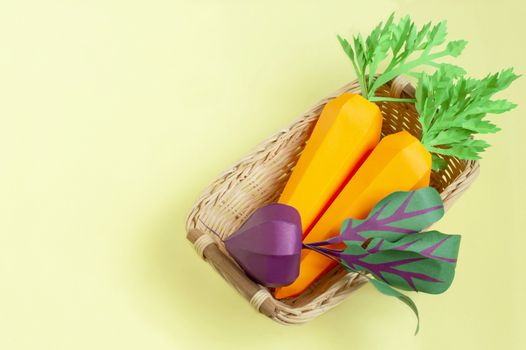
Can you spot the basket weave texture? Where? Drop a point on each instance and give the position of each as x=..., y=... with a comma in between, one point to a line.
x=260, y=177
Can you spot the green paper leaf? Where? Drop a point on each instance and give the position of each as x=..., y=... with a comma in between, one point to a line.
x=438, y=163
x=479, y=126
x=386, y=289
x=456, y=47
x=398, y=215
x=402, y=46
x=452, y=110
x=467, y=149
x=390, y=246
x=395, y=216
x=453, y=70
x=423, y=262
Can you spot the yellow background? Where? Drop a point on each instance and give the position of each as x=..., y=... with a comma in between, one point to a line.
x=116, y=114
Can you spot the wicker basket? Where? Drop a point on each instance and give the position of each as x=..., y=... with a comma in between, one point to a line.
x=260, y=177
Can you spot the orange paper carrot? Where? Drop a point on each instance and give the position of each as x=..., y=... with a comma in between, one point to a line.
x=347, y=130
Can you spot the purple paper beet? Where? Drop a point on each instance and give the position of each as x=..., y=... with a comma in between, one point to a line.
x=268, y=245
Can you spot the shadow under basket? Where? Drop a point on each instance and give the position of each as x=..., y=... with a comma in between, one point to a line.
x=259, y=179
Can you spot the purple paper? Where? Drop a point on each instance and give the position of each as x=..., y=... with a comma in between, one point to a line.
x=268, y=245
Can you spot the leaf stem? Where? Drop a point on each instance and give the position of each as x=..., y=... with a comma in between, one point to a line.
x=390, y=99
x=387, y=76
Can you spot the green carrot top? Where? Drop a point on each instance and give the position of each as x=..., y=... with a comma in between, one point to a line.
x=452, y=108
x=404, y=47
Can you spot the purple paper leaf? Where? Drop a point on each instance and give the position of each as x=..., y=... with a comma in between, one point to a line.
x=395, y=216
x=423, y=261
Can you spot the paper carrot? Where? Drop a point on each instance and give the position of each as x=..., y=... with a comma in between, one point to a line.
x=347, y=130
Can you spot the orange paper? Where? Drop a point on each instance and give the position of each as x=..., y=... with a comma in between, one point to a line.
x=348, y=129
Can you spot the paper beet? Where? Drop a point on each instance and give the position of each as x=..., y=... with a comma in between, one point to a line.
x=268, y=245
x=388, y=246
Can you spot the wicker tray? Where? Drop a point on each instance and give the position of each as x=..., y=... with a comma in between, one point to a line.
x=259, y=179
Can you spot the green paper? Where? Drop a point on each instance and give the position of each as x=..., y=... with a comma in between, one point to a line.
x=395, y=216
x=423, y=262
x=386, y=289
x=453, y=108
x=407, y=47
x=389, y=246
x=438, y=163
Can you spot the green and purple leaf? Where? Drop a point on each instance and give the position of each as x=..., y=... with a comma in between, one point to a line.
x=397, y=215
x=386, y=289
x=423, y=262
x=389, y=246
